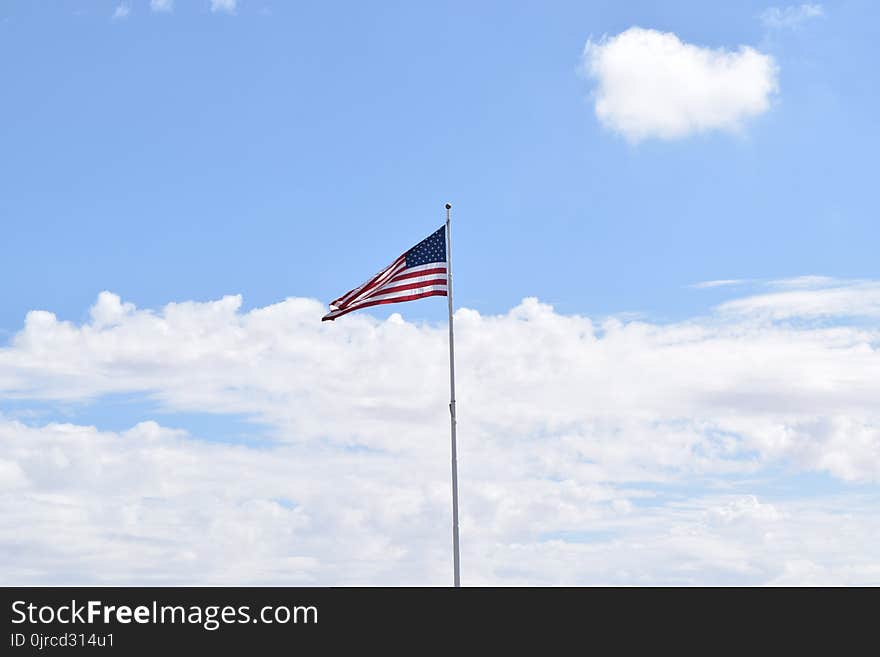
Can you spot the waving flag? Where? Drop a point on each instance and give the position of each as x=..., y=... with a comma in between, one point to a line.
x=420, y=272
x=423, y=271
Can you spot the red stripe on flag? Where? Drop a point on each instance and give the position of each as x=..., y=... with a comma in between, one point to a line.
x=415, y=274
x=391, y=288
x=378, y=279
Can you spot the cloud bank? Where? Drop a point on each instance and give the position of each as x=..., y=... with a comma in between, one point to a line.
x=590, y=452
x=650, y=84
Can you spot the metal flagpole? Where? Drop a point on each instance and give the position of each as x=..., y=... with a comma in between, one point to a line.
x=455, y=557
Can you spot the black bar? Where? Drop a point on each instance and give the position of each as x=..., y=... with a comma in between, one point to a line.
x=418, y=620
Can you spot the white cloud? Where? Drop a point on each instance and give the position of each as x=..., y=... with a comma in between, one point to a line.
x=791, y=16
x=719, y=283
x=150, y=505
x=109, y=310
x=652, y=84
x=813, y=297
x=122, y=11
x=530, y=371
x=745, y=508
x=162, y=5
x=804, y=282
x=571, y=436
x=224, y=6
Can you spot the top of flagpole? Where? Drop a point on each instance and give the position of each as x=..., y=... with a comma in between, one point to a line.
x=449, y=206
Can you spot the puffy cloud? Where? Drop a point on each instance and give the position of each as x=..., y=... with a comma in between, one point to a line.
x=652, y=84
x=108, y=310
x=590, y=451
x=739, y=373
x=791, y=16
x=154, y=506
x=746, y=508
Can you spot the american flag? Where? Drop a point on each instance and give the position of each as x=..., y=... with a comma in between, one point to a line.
x=418, y=273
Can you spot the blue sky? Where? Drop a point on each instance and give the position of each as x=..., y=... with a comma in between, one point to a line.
x=292, y=150
x=665, y=254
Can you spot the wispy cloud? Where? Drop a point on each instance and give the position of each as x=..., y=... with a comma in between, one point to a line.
x=791, y=16
x=224, y=6
x=162, y=5
x=650, y=84
x=810, y=297
x=808, y=282
x=122, y=11
x=719, y=283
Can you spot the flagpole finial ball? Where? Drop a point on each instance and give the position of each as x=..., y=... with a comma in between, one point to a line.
x=449, y=206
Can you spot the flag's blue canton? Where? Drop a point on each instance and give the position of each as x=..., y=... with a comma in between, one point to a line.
x=430, y=249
